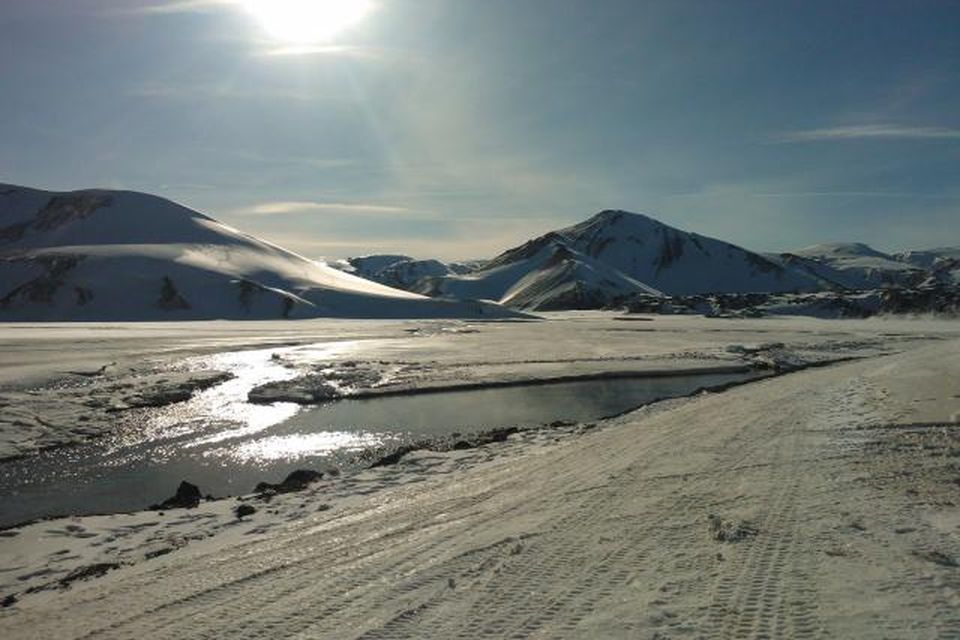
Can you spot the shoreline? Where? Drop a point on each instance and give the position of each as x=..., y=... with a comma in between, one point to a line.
x=785, y=454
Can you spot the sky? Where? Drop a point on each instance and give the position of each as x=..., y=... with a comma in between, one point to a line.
x=458, y=128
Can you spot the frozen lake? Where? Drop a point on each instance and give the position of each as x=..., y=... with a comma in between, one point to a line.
x=227, y=457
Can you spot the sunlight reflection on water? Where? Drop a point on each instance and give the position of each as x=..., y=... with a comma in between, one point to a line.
x=227, y=450
x=222, y=412
x=297, y=446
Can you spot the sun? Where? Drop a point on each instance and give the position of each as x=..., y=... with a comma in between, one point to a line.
x=303, y=22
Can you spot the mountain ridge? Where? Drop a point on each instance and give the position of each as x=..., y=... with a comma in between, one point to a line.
x=653, y=258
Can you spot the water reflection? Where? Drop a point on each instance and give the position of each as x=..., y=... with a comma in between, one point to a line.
x=222, y=412
x=227, y=402
x=227, y=446
x=298, y=446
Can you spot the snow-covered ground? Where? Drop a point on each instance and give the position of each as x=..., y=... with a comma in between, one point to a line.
x=66, y=383
x=831, y=494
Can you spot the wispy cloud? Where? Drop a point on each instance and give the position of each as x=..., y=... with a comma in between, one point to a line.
x=343, y=51
x=457, y=240
x=185, y=6
x=870, y=131
x=308, y=206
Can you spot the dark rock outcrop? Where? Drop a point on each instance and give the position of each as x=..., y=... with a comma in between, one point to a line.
x=296, y=481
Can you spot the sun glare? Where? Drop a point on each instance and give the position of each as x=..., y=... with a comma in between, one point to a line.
x=303, y=22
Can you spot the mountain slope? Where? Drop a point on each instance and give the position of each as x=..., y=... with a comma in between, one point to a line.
x=828, y=277
x=568, y=280
x=117, y=255
x=544, y=274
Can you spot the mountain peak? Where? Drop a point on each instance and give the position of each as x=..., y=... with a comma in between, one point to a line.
x=613, y=216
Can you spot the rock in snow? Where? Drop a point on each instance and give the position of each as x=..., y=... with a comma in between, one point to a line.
x=188, y=496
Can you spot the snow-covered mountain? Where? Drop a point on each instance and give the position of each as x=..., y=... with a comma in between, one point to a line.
x=119, y=255
x=854, y=265
x=678, y=262
x=616, y=253
x=399, y=271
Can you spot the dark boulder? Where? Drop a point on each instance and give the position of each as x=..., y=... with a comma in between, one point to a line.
x=188, y=496
x=244, y=510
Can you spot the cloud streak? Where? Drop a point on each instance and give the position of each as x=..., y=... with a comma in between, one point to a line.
x=186, y=6
x=307, y=206
x=870, y=132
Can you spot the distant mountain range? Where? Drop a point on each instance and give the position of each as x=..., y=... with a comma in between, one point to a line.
x=119, y=255
x=616, y=254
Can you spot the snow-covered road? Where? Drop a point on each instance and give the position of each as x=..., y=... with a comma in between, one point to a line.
x=606, y=534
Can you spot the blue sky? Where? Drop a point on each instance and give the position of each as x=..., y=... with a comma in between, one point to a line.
x=457, y=128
